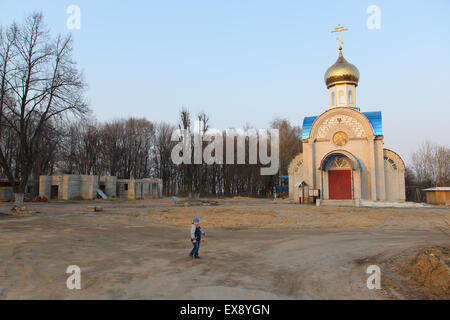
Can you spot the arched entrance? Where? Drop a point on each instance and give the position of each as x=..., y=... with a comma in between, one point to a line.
x=337, y=176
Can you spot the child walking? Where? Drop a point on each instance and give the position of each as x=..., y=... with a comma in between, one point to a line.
x=196, y=237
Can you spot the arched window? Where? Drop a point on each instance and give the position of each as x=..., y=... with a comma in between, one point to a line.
x=341, y=97
x=390, y=162
x=340, y=163
x=333, y=99
x=350, y=97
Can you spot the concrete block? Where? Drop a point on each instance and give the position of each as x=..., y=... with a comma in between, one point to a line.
x=94, y=209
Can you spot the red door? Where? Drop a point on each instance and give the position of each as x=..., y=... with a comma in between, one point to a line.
x=340, y=184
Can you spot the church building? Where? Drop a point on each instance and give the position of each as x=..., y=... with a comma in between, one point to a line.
x=343, y=158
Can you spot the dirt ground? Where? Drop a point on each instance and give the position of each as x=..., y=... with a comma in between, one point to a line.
x=254, y=249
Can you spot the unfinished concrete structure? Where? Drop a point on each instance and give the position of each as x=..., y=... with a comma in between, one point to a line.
x=7, y=194
x=138, y=189
x=153, y=187
x=75, y=187
x=68, y=187
x=130, y=189
x=108, y=184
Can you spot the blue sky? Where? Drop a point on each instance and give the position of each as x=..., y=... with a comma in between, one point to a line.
x=246, y=61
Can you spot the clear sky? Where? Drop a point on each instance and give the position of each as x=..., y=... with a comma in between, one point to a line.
x=246, y=61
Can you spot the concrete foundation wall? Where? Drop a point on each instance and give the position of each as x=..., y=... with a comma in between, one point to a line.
x=152, y=187
x=31, y=190
x=6, y=193
x=88, y=187
x=56, y=181
x=46, y=183
x=126, y=188
x=139, y=189
x=110, y=184
x=72, y=187
x=44, y=186
x=69, y=187
x=146, y=187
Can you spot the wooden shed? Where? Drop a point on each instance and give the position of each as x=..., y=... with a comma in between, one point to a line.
x=438, y=195
x=302, y=192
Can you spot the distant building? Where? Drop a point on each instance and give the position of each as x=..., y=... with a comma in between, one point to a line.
x=87, y=187
x=438, y=195
x=138, y=189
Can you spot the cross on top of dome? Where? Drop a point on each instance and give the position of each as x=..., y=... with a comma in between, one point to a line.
x=339, y=29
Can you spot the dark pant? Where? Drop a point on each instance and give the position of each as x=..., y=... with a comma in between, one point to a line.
x=194, y=251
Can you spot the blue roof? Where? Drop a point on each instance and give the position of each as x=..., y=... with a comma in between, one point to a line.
x=307, y=124
x=374, y=118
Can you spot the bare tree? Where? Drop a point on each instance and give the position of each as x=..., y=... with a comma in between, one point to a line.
x=164, y=167
x=431, y=164
x=137, y=148
x=48, y=147
x=81, y=148
x=39, y=84
x=201, y=170
x=112, y=146
x=185, y=124
x=290, y=144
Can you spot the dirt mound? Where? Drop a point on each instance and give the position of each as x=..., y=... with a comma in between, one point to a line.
x=430, y=271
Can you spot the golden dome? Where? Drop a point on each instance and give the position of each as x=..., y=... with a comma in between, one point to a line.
x=341, y=72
